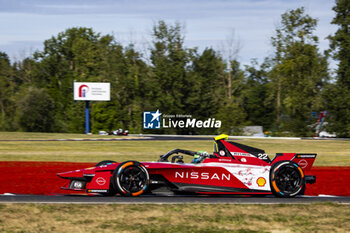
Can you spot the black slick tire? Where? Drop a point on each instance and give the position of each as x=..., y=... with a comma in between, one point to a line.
x=287, y=179
x=130, y=178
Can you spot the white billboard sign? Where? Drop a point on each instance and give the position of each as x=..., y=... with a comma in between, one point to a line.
x=92, y=91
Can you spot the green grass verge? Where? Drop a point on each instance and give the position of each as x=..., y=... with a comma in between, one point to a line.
x=174, y=218
x=165, y=218
x=330, y=153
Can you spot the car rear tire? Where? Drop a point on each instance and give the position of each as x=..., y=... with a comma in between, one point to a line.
x=130, y=178
x=287, y=179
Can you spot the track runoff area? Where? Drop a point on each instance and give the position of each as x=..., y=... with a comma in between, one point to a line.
x=52, y=193
x=163, y=199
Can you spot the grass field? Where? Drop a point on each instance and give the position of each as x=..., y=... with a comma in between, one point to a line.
x=174, y=218
x=330, y=153
x=165, y=218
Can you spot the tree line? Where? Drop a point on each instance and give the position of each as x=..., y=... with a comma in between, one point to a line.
x=280, y=93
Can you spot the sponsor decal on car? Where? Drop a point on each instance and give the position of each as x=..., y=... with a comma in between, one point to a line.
x=303, y=163
x=100, y=181
x=241, y=154
x=243, y=160
x=248, y=181
x=306, y=156
x=202, y=176
x=225, y=160
x=222, y=153
x=97, y=191
x=261, y=181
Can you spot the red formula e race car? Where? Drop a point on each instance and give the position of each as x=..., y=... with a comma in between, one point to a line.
x=233, y=168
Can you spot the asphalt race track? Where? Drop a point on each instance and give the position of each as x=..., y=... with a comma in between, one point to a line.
x=151, y=199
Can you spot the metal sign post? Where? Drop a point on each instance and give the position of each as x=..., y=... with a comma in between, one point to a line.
x=87, y=117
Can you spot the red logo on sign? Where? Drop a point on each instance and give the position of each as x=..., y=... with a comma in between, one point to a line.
x=303, y=163
x=83, y=89
x=100, y=181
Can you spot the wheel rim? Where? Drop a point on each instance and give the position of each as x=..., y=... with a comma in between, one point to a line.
x=288, y=179
x=133, y=179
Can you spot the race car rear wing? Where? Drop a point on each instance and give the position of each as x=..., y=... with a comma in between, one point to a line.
x=305, y=161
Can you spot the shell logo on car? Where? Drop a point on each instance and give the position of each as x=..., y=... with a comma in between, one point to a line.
x=261, y=181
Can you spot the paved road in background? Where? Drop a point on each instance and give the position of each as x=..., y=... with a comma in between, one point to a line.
x=83, y=199
x=118, y=138
x=146, y=137
x=179, y=137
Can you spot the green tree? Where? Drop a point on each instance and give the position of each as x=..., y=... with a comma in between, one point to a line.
x=232, y=116
x=72, y=55
x=338, y=95
x=110, y=115
x=170, y=86
x=207, y=92
x=169, y=59
x=257, y=105
x=35, y=111
x=7, y=90
x=299, y=72
x=77, y=54
x=231, y=110
x=129, y=76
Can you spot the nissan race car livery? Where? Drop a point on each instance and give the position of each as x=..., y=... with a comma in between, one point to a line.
x=233, y=168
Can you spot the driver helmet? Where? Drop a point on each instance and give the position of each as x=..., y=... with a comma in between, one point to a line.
x=199, y=156
x=203, y=153
x=196, y=158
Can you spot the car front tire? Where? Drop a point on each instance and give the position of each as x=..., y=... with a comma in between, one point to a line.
x=130, y=178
